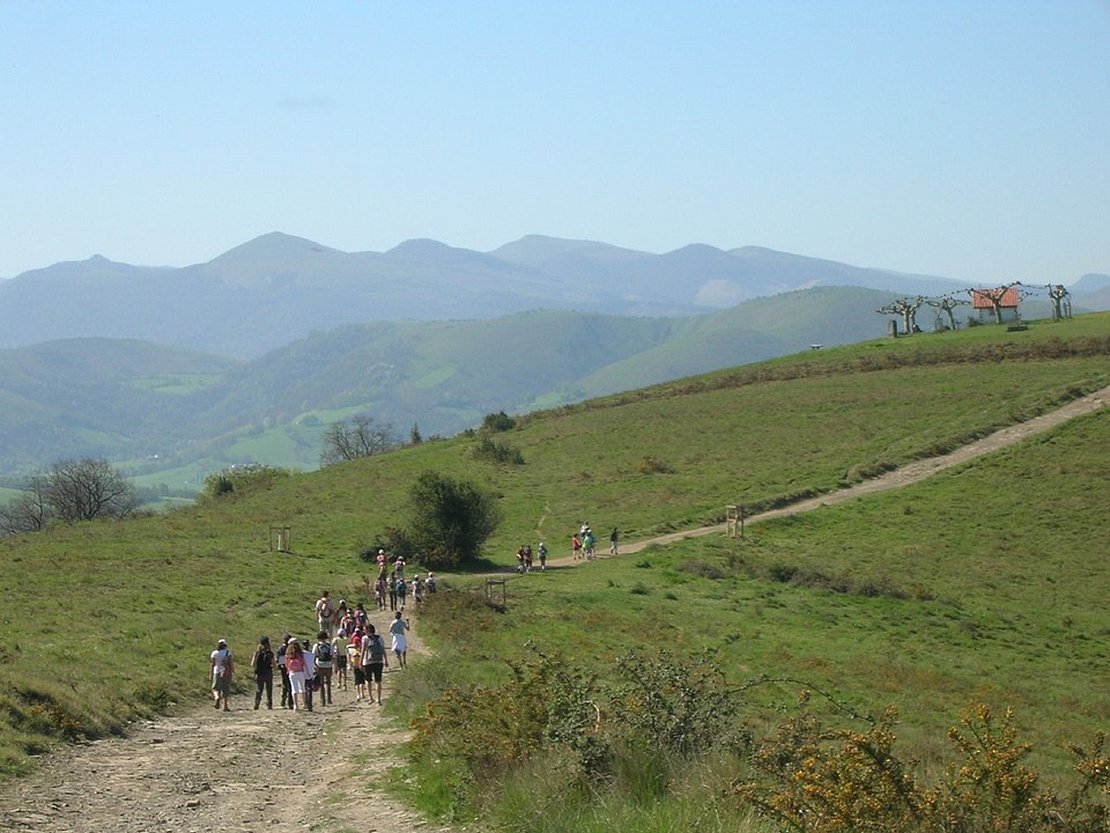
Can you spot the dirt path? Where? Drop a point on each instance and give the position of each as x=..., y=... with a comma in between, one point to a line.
x=207, y=770
x=911, y=473
x=279, y=771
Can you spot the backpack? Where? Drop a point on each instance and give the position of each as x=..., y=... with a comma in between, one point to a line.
x=323, y=653
x=264, y=662
x=376, y=649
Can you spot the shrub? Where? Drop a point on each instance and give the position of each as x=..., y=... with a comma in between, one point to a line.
x=240, y=480
x=448, y=521
x=818, y=779
x=653, y=465
x=702, y=568
x=500, y=421
x=496, y=452
x=683, y=706
x=546, y=701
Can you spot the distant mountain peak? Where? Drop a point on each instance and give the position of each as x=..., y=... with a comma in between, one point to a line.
x=273, y=244
x=421, y=247
x=538, y=249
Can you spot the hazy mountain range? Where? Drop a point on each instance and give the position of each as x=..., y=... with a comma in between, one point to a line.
x=277, y=289
x=251, y=355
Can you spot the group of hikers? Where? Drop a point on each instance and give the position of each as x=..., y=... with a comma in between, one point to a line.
x=525, y=557
x=346, y=645
x=346, y=642
x=393, y=588
x=583, y=544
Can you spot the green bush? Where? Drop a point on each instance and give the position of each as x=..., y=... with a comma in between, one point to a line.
x=500, y=421
x=448, y=521
x=240, y=480
x=496, y=452
x=819, y=779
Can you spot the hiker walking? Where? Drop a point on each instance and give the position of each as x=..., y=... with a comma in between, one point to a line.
x=324, y=613
x=295, y=667
x=397, y=629
x=614, y=541
x=262, y=662
x=362, y=618
x=339, y=657
x=222, y=668
x=374, y=660
x=323, y=655
x=541, y=551
x=286, y=686
x=354, y=659
x=402, y=590
x=309, y=674
x=391, y=587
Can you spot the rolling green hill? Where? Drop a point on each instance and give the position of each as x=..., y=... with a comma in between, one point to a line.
x=159, y=410
x=98, y=397
x=954, y=590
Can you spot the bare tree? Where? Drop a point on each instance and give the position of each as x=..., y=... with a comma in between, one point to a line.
x=30, y=511
x=947, y=303
x=905, y=307
x=359, y=436
x=81, y=490
x=1061, y=301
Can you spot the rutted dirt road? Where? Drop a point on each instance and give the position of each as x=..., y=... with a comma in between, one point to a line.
x=280, y=771
x=208, y=770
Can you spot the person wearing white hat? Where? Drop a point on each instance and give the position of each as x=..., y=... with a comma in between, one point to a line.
x=222, y=668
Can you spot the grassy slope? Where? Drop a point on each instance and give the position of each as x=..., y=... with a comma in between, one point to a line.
x=161, y=589
x=986, y=583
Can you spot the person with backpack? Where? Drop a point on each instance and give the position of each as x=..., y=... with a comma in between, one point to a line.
x=263, y=664
x=339, y=657
x=402, y=591
x=354, y=659
x=310, y=681
x=374, y=660
x=286, y=688
x=542, y=552
x=322, y=655
x=362, y=618
x=222, y=668
x=324, y=613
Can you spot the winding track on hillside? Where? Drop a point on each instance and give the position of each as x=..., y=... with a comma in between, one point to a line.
x=910, y=473
x=278, y=771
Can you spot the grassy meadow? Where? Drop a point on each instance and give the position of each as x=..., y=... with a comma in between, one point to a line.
x=985, y=583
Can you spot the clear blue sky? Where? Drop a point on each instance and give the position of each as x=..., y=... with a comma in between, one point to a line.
x=969, y=139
